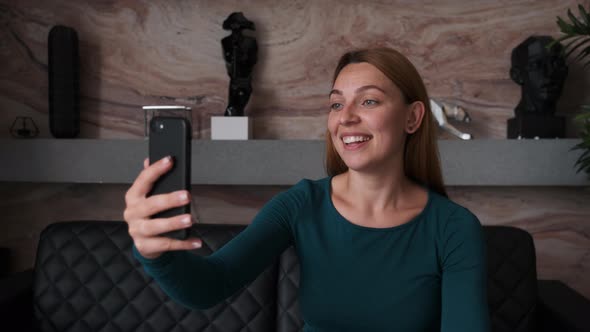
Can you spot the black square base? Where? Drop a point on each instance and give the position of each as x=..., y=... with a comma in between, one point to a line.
x=536, y=126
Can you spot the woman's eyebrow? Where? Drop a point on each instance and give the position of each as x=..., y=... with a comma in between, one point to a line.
x=360, y=89
x=368, y=87
x=335, y=91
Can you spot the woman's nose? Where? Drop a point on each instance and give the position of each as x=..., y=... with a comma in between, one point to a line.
x=348, y=115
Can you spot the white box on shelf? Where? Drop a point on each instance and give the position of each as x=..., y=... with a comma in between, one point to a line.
x=231, y=128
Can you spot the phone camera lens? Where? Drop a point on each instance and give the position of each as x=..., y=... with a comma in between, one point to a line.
x=157, y=126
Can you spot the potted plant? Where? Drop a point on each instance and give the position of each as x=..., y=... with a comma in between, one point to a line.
x=577, y=33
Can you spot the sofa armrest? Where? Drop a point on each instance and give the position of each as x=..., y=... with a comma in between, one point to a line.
x=562, y=308
x=16, y=300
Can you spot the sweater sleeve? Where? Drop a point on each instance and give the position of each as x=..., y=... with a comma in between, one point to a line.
x=201, y=282
x=464, y=276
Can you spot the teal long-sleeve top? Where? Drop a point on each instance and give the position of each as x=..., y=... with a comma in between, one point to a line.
x=425, y=275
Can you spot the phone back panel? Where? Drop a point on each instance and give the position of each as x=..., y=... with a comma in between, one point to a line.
x=171, y=136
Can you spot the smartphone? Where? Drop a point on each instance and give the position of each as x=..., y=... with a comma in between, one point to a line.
x=171, y=136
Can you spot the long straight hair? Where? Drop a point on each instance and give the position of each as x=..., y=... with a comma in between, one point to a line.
x=421, y=157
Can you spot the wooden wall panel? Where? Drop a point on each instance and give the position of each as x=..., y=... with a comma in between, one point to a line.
x=135, y=53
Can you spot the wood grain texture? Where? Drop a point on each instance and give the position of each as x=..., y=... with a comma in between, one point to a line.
x=557, y=217
x=135, y=53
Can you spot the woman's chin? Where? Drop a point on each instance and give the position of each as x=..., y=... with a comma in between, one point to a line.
x=357, y=165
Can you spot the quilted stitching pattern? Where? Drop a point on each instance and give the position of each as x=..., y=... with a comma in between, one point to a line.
x=288, y=315
x=86, y=279
x=512, y=279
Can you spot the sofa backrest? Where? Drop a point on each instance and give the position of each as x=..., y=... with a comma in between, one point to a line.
x=87, y=279
x=512, y=279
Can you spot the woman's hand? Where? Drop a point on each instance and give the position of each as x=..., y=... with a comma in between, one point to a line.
x=138, y=209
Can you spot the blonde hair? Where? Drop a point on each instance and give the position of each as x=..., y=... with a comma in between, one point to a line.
x=421, y=158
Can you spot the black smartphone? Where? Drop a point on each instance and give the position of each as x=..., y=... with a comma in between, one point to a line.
x=171, y=136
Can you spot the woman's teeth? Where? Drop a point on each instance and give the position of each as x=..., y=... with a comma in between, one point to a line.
x=355, y=139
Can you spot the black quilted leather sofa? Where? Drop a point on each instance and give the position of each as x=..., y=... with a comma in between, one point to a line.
x=86, y=279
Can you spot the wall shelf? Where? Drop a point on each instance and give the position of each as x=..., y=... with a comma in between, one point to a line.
x=281, y=162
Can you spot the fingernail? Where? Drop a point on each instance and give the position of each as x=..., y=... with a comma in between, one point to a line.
x=186, y=220
x=166, y=160
x=196, y=244
x=183, y=197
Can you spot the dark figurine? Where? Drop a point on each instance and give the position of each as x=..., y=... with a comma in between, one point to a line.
x=541, y=73
x=239, y=52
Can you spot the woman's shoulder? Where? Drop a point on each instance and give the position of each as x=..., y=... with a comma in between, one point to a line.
x=305, y=189
x=308, y=185
x=451, y=215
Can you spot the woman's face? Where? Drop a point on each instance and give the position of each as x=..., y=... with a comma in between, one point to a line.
x=368, y=118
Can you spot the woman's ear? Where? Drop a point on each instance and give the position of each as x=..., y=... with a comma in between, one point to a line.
x=415, y=115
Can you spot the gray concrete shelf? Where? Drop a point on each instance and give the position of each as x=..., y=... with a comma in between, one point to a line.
x=282, y=162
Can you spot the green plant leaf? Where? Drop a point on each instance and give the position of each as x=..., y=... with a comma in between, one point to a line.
x=584, y=40
x=583, y=116
x=578, y=26
x=583, y=165
x=584, y=14
x=561, y=39
x=577, y=34
x=579, y=146
x=570, y=43
x=585, y=155
x=584, y=161
x=564, y=26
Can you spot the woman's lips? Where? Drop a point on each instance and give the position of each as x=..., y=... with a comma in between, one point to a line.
x=355, y=146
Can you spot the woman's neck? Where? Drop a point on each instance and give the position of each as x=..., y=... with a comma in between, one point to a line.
x=377, y=192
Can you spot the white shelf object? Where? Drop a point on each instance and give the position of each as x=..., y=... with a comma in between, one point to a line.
x=231, y=128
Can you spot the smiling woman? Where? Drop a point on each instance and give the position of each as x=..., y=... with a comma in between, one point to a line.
x=380, y=246
x=399, y=89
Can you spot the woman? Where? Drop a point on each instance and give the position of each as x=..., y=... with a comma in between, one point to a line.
x=380, y=245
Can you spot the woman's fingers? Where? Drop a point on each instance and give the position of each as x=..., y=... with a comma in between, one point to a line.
x=155, y=227
x=155, y=246
x=145, y=180
x=159, y=203
x=146, y=233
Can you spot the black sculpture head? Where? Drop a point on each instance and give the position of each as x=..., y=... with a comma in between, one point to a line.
x=237, y=21
x=541, y=72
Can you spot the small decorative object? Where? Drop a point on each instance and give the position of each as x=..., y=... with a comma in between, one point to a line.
x=63, y=68
x=541, y=72
x=240, y=54
x=24, y=127
x=443, y=111
x=578, y=34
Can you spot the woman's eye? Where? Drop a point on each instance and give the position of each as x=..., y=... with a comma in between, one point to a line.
x=335, y=106
x=370, y=102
